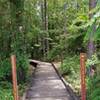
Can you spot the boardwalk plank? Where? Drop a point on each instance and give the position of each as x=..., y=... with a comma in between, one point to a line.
x=46, y=85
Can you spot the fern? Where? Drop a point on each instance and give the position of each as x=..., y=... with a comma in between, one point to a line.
x=95, y=94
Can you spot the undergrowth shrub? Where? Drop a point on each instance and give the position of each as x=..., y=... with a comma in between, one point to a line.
x=54, y=53
x=70, y=69
x=6, y=91
x=5, y=69
x=70, y=65
x=93, y=84
x=6, y=76
x=93, y=92
x=22, y=68
x=6, y=94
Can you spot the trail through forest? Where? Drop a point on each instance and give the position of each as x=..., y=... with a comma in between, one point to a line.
x=46, y=85
x=50, y=31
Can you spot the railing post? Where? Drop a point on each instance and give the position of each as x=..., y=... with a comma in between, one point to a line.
x=83, y=75
x=14, y=77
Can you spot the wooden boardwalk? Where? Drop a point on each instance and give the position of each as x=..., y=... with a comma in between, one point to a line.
x=46, y=85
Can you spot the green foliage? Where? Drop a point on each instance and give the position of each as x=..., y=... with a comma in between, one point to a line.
x=66, y=68
x=6, y=94
x=22, y=68
x=12, y=35
x=6, y=91
x=22, y=33
x=97, y=34
x=70, y=65
x=54, y=53
x=5, y=69
x=93, y=88
x=92, y=61
x=70, y=69
x=93, y=82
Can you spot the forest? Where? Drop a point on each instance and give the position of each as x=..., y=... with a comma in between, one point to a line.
x=50, y=31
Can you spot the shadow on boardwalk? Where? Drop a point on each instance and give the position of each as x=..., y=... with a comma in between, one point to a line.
x=46, y=85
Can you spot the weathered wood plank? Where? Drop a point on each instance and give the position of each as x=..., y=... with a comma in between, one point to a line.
x=46, y=85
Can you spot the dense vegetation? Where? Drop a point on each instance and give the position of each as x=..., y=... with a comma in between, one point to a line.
x=49, y=30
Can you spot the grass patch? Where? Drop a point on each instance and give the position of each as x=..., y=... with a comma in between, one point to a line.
x=6, y=94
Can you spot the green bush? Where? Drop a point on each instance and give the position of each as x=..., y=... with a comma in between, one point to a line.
x=22, y=68
x=93, y=87
x=93, y=91
x=96, y=94
x=93, y=82
x=70, y=65
x=54, y=53
x=6, y=94
x=5, y=69
x=6, y=91
x=70, y=69
x=6, y=76
x=92, y=61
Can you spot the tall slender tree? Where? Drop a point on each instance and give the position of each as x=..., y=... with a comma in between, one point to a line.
x=91, y=47
x=17, y=33
x=44, y=16
x=46, y=25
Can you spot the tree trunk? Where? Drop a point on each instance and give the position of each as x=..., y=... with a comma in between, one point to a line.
x=46, y=27
x=42, y=18
x=91, y=47
x=17, y=40
x=92, y=5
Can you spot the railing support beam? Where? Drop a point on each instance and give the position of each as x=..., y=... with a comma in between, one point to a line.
x=83, y=75
x=14, y=77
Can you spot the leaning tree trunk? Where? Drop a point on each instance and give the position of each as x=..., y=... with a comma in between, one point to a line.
x=91, y=46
